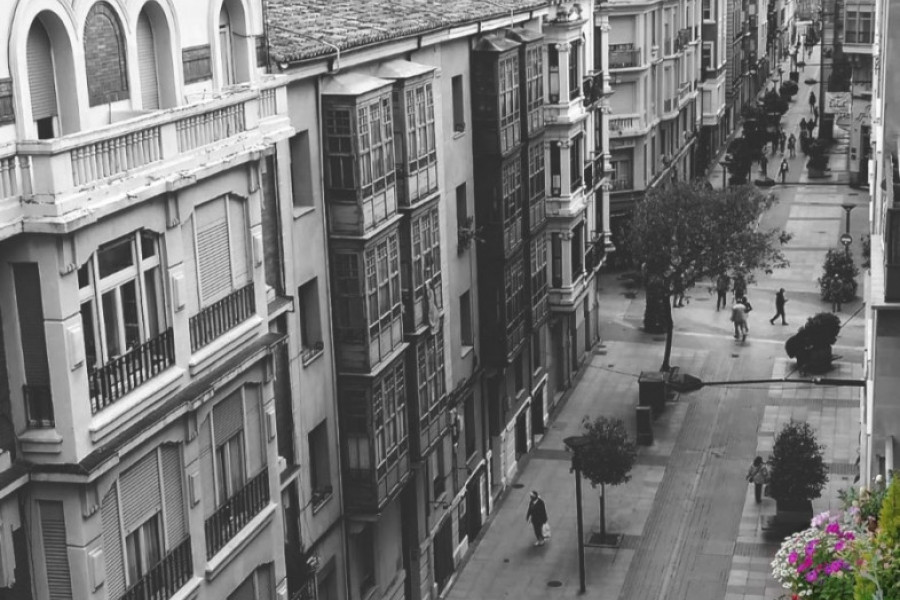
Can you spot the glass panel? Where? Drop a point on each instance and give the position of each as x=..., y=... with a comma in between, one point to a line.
x=131, y=315
x=84, y=276
x=115, y=256
x=236, y=463
x=133, y=556
x=87, y=325
x=148, y=244
x=111, y=323
x=154, y=316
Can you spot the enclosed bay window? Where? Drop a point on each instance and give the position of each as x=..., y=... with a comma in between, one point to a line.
x=858, y=27
x=576, y=154
x=514, y=288
x=383, y=297
x=539, y=278
x=389, y=416
x=536, y=185
x=509, y=102
x=534, y=82
x=555, y=169
x=376, y=146
x=421, y=155
x=553, y=68
x=426, y=254
x=512, y=204
x=431, y=378
x=575, y=69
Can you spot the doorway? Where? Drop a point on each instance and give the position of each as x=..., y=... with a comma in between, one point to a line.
x=521, y=434
x=473, y=508
x=537, y=412
x=443, y=554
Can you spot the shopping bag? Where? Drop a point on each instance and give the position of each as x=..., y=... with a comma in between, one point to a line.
x=545, y=531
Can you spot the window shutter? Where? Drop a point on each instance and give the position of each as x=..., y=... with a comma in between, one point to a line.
x=112, y=544
x=228, y=418
x=238, y=232
x=31, y=323
x=264, y=584
x=207, y=470
x=147, y=64
x=56, y=557
x=140, y=492
x=253, y=434
x=213, y=254
x=41, y=82
x=174, y=494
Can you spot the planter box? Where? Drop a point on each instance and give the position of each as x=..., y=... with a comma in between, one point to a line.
x=790, y=517
x=652, y=391
x=644, y=425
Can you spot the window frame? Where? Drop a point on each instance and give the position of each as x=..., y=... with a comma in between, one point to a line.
x=228, y=480
x=425, y=238
x=508, y=102
x=511, y=201
x=421, y=152
x=431, y=377
x=135, y=546
x=384, y=301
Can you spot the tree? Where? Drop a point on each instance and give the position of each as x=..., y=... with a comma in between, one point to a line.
x=797, y=471
x=686, y=233
x=838, y=280
x=607, y=458
x=811, y=345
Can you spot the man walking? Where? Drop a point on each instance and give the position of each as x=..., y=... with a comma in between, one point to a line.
x=792, y=146
x=763, y=165
x=812, y=101
x=782, y=138
x=739, y=312
x=779, y=307
x=723, y=283
x=783, y=169
x=537, y=514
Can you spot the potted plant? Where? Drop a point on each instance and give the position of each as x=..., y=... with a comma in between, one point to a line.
x=811, y=345
x=838, y=281
x=797, y=473
x=817, y=165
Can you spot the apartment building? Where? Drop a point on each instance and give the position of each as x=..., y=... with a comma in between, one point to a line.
x=858, y=48
x=715, y=118
x=432, y=133
x=166, y=392
x=655, y=56
x=880, y=418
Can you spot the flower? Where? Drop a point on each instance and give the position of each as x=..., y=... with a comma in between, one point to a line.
x=812, y=576
x=792, y=557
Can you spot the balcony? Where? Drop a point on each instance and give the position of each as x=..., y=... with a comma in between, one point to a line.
x=621, y=184
x=624, y=58
x=668, y=105
x=682, y=39
x=131, y=370
x=683, y=90
x=38, y=406
x=166, y=577
x=625, y=125
x=236, y=512
x=214, y=320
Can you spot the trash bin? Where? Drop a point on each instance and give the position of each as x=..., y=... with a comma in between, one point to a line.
x=652, y=390
x=644, y=425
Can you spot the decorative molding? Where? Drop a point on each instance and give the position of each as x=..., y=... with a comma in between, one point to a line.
x=562, y=47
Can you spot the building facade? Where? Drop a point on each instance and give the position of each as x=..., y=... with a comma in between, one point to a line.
x=163, y=382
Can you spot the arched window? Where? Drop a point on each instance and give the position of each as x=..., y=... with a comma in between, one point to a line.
x=146, y=44
x=236, y=48
x=104, y=56
x=226, y=51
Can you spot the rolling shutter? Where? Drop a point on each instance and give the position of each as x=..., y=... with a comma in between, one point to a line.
x=140, y=492
x=213, y=253
x=41, y=81
x=112, y=544
x=31, y=323
x=147, y=64
x=228, y=418
x=174, y=494
x=264, y=581
x=56, y=557
x=207, y=470
x=253, y=434
x=238, y=232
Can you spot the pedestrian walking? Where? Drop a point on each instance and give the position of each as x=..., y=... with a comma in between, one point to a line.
x=792, y=146
x=836, y=291
x=763, y=165
x=537, y=514
x=783, y=169
x=779, y=307
x=740, y=287
x=758, y=475
x=739, y=312
x=804, y=140
x=678, y=293
x=775, y=139
x=802, y=126
x=723, y=284
x=812, y=101
x=782, y=138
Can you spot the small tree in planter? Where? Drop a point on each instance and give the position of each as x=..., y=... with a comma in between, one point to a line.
x=838, y=281
x=607, y=459
x=811, y=345
x=797, y=471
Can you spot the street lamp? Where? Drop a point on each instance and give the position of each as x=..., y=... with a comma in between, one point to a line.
x=846, y=238
x=575, y=443
x=780, y=74
x=726, y=164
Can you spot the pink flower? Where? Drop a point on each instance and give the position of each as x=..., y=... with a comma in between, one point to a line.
x=792, y=557
x=835, y=566
x=812, y=576
x=806, y=564
x=833, y=528
x=848, y=535
x=839, y=546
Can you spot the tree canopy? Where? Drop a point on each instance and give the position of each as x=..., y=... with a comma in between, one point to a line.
x=610, y=455
x=797, y=469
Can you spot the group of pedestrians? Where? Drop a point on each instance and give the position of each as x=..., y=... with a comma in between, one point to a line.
x=741, y=306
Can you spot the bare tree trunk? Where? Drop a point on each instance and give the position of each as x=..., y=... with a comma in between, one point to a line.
x=603, y=513
x=669, y=330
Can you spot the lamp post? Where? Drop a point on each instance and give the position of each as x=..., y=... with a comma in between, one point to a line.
x=846, y=238
x=726, y=163
x=575, y=443
x=780, y=74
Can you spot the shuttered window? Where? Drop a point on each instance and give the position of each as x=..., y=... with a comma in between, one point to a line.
x=173, y=494
x=141, y=496
x=147, y=63
x=41, y=81
x=252, y=401
x=228, y=418
x=112, y=544
x=31, y=323
x=56, y=557
x=221, y=231
x=207, y=469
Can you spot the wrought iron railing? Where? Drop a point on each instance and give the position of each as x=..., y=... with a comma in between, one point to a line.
x=623, y=59
x=236, y=512
x=128, y=371
x=166, y=577
x=621, y=184
x=38, y=406
x=217, y=318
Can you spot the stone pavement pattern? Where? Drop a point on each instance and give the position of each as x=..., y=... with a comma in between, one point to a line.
x=689, y=519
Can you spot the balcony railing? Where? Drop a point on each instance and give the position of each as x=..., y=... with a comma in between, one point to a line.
x=216, y=319
x=209, y=127
x=38, y=406
x=307, y=592
x=15, y=176
x=593, y=88
x=109, y=157
x=620, y=184
x=622, y=124
x=267, y=106
x=236, y=512
x=623, y=59
x=129, y=371
x=167, y=577
x=667, y=105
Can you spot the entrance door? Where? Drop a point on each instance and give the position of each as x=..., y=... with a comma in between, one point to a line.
x=537, y=413
x=521, y=434
x=443, y=554
x=473, y=508
x=865, y=151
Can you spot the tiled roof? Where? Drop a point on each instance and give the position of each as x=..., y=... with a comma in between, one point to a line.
x=351, y=23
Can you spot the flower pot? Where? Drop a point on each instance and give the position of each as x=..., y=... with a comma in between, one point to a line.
x=793, y=514
x=794, y=76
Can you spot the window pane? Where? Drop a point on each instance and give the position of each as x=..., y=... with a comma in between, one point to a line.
x=111, y=323
x=148, y=244
x=154, y=316
x=87, y=325
x=131, y=315
x=115, y=256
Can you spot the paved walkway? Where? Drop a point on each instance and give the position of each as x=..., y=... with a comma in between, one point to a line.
x=690, y=523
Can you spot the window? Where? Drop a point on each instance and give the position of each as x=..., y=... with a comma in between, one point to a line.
x=271, y=224
x=556, y=259
x=576, y=163
x=356, y=434
x=319, y=464
x=459, y=109
x=33, y=342
x=430, y=371
x=421, y=155
x=575, y=70
x=553, y=68
x=536, y=186
x=514, y=284
x=577, y=248
x=539, y=278
x=220, y=230
x=621, y=165
x=439, y=481
x=143, y=549
x=121, y=296
x=466, y=334
x=382, y=262
x=104, y=56
x=426, y=254
x=706, y=63
x=509, y=102
x=462, y=207
x=238, y=448
x=512, y=204
x=707, y=10
x=349, y=318
x=536, y=350
x=310, y=319
x=858, y=25
x=339, y=172
x=230, y=471
x=260, y=585
x=555, y=169
x=301, y=170
x=470, y=425
x=389, y=410
x=375, y=140
x=534, y=82
x=42, y=81
x=519, y=375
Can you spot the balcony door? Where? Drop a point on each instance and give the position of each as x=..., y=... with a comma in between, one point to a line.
x=42, y=82
x=146, y=44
